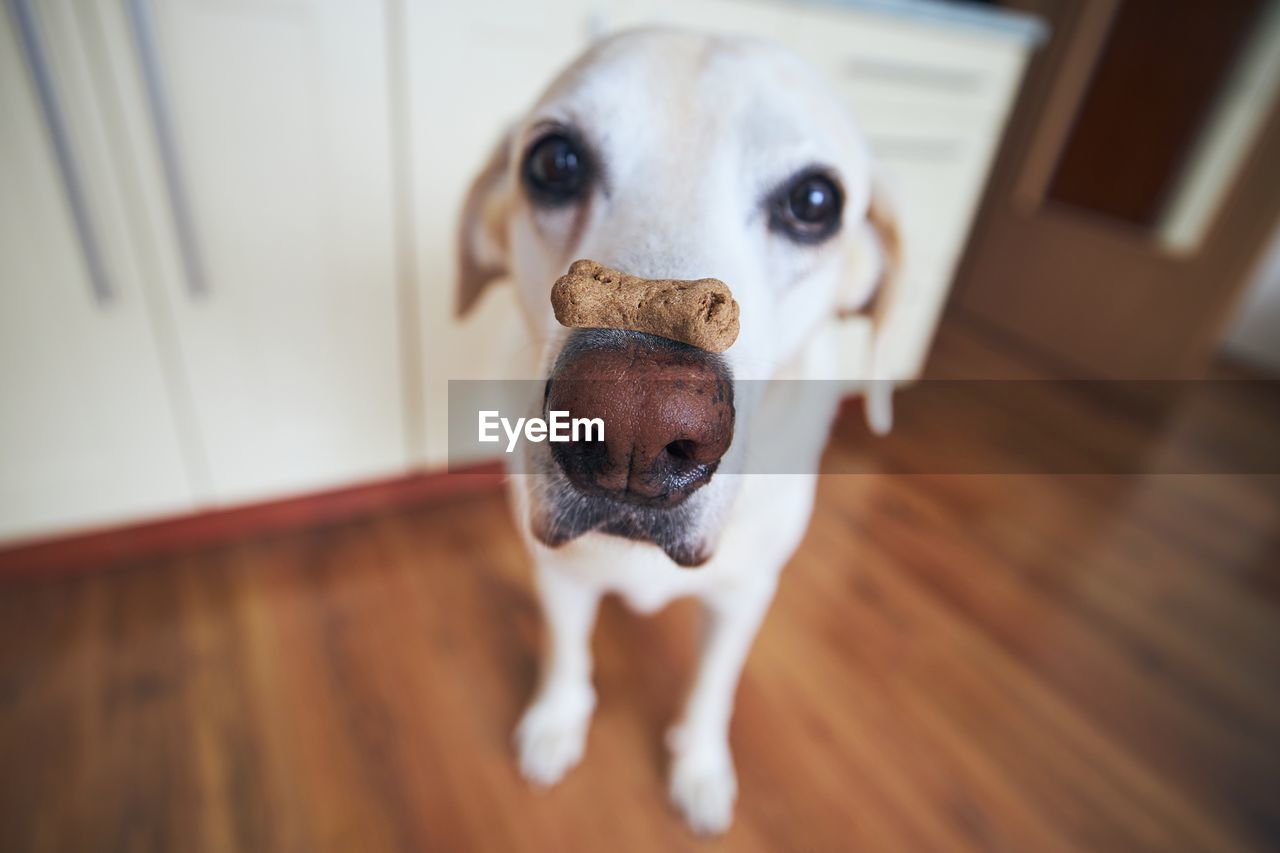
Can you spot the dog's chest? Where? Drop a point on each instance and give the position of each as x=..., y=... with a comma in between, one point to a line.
x=638, y=572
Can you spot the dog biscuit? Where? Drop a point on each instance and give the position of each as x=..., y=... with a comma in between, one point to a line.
x=701, y=312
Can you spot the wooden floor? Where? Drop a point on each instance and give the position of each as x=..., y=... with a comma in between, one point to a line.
x=955, y=662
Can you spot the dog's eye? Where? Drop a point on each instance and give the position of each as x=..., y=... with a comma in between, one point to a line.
x=556, y=170
x=808, y=208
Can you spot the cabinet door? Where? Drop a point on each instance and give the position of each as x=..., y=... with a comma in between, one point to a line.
x=87, y=430
x=266, y=129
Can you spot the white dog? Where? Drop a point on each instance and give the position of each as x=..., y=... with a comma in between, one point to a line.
x=669, y=154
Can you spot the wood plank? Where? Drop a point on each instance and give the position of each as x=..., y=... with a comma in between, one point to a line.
x=955, y=662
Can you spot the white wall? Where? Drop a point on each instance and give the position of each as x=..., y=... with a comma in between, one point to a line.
x=1254, y=335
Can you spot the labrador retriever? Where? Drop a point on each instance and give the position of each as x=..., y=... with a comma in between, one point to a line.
x=679, y=155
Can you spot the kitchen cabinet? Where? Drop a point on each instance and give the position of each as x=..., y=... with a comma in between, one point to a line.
x=267, y=129
x=228, y=253
x=88, y=432
x=235, y=167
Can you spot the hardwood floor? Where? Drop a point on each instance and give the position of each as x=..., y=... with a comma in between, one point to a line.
x=954, y=662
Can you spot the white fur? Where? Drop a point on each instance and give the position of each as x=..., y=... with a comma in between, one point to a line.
x=695, y=132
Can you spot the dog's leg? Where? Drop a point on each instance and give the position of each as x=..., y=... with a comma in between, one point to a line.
x=703, y=784
x=552, y=734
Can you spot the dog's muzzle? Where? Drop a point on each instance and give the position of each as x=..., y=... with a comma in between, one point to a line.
x=667, y=410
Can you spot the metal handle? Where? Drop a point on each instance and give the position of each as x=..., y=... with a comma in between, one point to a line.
x=144, y=35
x=24, y=16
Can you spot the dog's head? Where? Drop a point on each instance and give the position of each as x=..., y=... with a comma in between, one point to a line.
x=669, y=154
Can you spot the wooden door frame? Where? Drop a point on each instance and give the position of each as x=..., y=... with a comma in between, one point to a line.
x=1232, y=245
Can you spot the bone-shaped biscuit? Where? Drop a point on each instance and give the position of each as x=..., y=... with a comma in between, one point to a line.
x=701, y=312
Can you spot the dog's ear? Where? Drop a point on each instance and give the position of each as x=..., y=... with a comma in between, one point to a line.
x=482, y=229
x=876, y=293
x=882, y=214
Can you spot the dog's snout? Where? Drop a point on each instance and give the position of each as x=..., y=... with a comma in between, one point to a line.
x=667, y=410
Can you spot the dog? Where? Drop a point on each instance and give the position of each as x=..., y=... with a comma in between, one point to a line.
x=678, y=155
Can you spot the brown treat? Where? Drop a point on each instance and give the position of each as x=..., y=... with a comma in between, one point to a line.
x=701, y=313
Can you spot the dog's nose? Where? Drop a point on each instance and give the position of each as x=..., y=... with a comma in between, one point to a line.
x=667, y=410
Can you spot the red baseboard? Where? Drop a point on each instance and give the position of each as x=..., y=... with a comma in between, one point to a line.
x=97, y=549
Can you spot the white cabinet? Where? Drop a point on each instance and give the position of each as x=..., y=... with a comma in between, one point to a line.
x=269, y=130
x=87, y=428
x=273, y=188
x=236, y=168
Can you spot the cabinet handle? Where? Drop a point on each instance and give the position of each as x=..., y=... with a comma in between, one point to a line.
x=24, y=16
x=144, y=35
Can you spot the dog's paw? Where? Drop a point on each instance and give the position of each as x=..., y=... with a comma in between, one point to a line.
x=552, y=736
x=704, y=787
